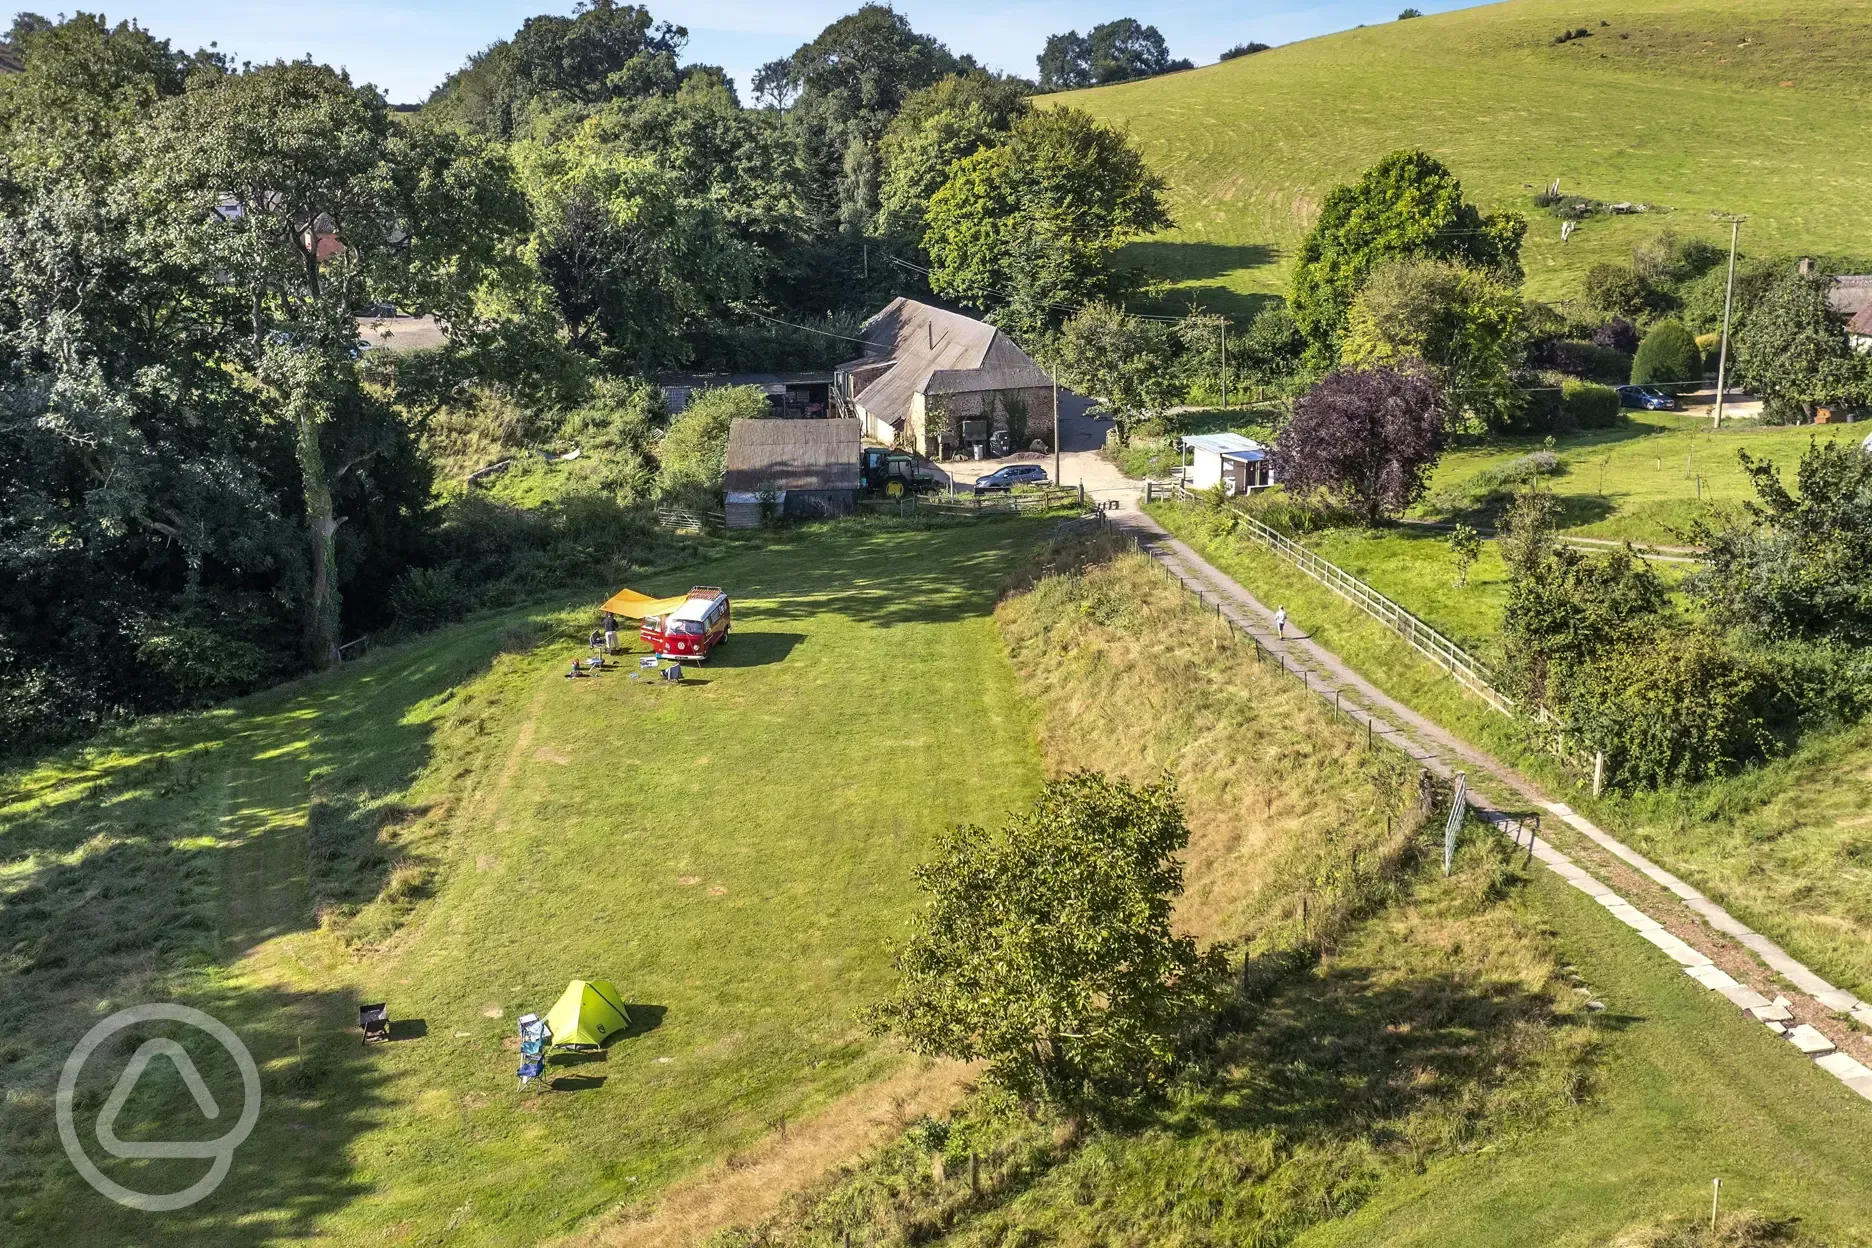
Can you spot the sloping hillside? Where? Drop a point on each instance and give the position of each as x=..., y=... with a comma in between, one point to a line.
x=1753, y=106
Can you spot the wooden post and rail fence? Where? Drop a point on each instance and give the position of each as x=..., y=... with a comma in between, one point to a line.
x=1465, y=668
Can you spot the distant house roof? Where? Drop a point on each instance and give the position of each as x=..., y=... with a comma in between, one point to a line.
x=928, y=350
x=1851, y=295
x=1861, y=324
x=1222, y=443
x=793, y=455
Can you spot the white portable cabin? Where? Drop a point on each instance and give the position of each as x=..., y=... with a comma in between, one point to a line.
x=1239, y=464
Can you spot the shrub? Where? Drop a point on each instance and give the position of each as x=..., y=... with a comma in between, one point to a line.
x=1675, y=707
x=695, y=449
x=1618, y=290
x=1667, y=354
x=1585, y=405
x=1583, y=359
x=1243, y=49
x=1619, y=334
x=425, y=598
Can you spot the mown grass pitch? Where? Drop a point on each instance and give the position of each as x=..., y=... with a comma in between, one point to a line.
x=1738, y=106
x=734, y=853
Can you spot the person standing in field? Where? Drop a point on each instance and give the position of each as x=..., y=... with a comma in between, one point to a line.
x=610, y=632
x=1280, y=622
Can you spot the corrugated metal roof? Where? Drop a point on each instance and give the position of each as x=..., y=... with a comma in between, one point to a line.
x=793, y=455
x=1221, y=443
x=924, y=342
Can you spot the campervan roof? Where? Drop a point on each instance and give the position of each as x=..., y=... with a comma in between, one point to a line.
x=693, y=609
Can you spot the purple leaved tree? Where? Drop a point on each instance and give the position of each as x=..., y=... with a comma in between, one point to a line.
x=1366, y=437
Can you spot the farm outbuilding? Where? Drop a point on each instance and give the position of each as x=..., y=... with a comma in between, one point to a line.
x=931, y=378
x=1239, y=464
x=809, y=467
x=793, y=396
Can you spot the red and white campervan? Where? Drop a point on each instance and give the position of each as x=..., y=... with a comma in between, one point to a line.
x=688, y=633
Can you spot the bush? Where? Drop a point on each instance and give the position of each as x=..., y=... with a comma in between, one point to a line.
x=424, y=598
x=1619, y=334
x=695, y=449
x=1243, y=49
x=1675, y=707
x=1583, y=360
x=1585, y=405
x=1668, y=354
x=1618, y=290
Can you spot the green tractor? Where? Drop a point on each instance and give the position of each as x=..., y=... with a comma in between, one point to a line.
x=893, y=474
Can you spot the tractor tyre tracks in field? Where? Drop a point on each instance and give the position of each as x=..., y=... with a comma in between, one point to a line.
x=1713, y=947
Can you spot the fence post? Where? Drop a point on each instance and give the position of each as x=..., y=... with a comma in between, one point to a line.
x=1598, y=772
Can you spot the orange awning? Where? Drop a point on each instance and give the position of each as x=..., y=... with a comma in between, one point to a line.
x=635, y=606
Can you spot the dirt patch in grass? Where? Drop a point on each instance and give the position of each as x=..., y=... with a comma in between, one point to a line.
x=753, y=1182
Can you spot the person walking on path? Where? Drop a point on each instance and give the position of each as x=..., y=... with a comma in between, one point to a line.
x=610, y=632
x=1280, y=622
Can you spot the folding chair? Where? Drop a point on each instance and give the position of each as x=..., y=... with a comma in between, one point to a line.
x=535, y=1039
x=374, y=1020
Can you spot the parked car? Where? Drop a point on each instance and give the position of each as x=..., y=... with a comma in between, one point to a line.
x=1649, y=398
x=1004, y=479
x=688, y=633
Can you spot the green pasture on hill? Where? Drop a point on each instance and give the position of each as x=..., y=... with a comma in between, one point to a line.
x=1738, y=106
x=734, y=853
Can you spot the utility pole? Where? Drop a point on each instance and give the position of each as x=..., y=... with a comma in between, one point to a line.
x=1722, y=356
x=1222, y=326
x=1056, y=431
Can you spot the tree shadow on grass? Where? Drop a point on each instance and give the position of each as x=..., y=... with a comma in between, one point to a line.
x=173, y=848
x=320, y=1090
x=883, y=575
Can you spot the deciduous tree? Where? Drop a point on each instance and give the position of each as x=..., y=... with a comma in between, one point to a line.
x=1407, y=205
x=1046, y=948
x=1791, y=349
x=1127, y=362
x=1365, y=437
x=293, y=183
x=1465, y=323
x=1028, y=227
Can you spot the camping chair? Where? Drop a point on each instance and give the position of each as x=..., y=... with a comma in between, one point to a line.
x=535, y=1039
x=374, y=1020
x=597, y=639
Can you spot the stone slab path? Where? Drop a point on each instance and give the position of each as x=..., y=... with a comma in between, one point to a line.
x=1714, y=948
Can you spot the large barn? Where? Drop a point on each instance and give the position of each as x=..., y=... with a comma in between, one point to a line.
x=935, y=382
x=808, y=467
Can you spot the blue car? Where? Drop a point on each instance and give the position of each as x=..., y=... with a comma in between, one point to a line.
x=1649, y=398
x=1009, y=477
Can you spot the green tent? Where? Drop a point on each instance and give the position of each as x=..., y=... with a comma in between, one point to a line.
x=587, y=1014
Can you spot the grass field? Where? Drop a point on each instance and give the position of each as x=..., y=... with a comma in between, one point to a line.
x=1783, y=846
x=1413, y=1065
x=734, y=853
x=1749, y=106
x=1645, y=480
